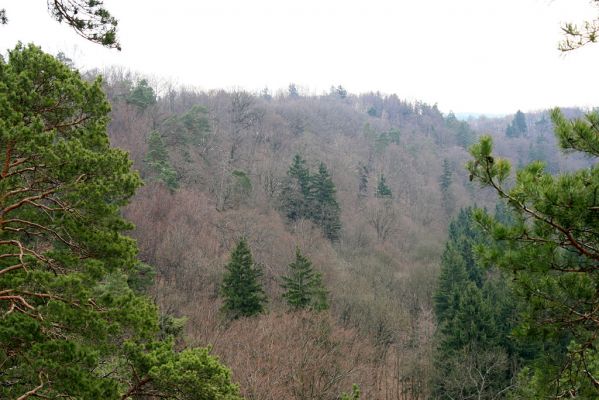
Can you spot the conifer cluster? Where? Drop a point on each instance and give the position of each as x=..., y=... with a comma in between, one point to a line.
x=311, y=196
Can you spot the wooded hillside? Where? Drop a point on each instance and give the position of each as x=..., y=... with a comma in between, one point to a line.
x=218, y=167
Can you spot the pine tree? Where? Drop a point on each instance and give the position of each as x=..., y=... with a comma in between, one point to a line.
x=241, y=288
x=158, y=161
x=142, y=95
x=70, y=309
x=382, y=190
x=303, y=285
x=323, y=207
x=550, y=246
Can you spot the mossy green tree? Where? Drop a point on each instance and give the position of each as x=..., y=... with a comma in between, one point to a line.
x=241, y=288
x=303, y=285
x=551, y=247
x=68, y=317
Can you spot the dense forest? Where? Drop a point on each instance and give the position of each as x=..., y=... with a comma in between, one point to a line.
x=159, y=241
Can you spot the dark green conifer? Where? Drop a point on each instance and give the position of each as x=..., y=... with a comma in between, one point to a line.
x=296, y=189
x=382, y=190
x=445, y=183
x=475, y=315
x=142, y=95
x=323, y=207
x=363, y=181
x=518, y=126
x=71, y=310
x=303, y=285
x=241, y=288
x=549, y=245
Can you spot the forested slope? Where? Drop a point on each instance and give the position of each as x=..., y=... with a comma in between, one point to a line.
x=217, y=167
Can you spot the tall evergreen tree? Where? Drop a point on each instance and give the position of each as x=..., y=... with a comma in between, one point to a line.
x=475, y=318
x=363, y=181
x=159, y=163
x=241, y=288
x=142, y=95
x=445, y=179
x=296, y=189
x=445, y=183
x=551, y=247
x=382, y=190
x=323, y=207
x=72, y=321
x=518, y=126
x=303, y=285
x=311, y=196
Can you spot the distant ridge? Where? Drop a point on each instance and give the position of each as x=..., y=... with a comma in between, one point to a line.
x=464, y=116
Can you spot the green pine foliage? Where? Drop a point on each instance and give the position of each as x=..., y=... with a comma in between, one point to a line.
x=70, y=283
x=158, y=162
x=303, y=286
x=142, y=95
x=384, y=139
x=241, y=289
x=549, y=246
x=354, y=395
x=190, y=129
x=382, y=190
x=189, y=374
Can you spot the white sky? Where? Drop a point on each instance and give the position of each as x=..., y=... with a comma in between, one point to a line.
x=484, y=56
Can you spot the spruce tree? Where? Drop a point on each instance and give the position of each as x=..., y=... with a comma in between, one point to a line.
x=518, y=126
x=475, y=314
x=241, y=288
x=382, y=190
x=303, y=285
x=323, y=207
x=445, y=184
x=363, y=181
x=296, y=189
x=445, y=179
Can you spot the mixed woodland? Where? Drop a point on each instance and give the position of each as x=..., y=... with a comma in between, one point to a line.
x=160, y=241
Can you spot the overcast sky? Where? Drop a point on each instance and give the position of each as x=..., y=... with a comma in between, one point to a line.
x=484, y=56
